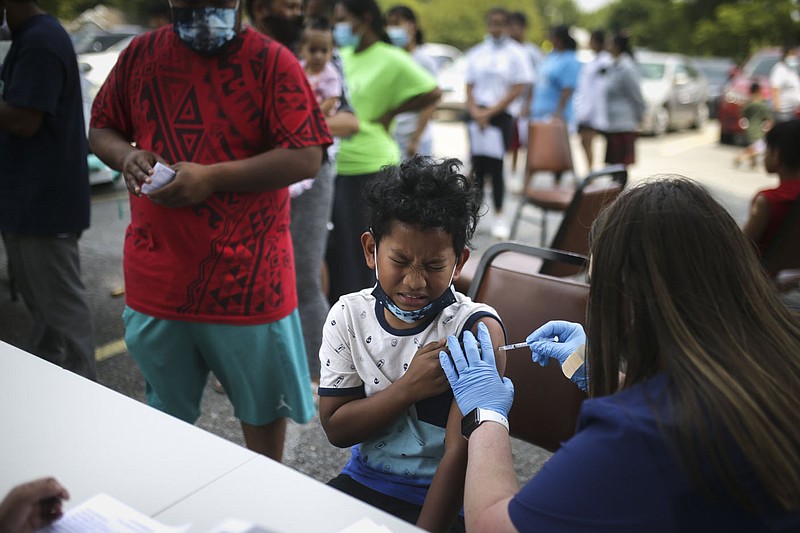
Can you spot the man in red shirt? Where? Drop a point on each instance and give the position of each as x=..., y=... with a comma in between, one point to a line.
x=208, y=260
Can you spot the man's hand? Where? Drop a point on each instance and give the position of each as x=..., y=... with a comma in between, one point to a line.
x=192, y=184
x=137, y=167
x=31, y=506
x=474, y=377
x=424, y=377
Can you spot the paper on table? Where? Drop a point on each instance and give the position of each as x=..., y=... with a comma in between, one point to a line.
x=104, y=514
x=233, y=525
x=487, y=142
x=365, y=525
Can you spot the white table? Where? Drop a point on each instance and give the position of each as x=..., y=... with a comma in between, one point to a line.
x=93, y=440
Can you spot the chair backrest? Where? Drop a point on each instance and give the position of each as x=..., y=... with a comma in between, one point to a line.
x=597, y=190
x=784, y=251
x=546, y=403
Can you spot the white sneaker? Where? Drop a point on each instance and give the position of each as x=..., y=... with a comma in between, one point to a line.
x=500, y=230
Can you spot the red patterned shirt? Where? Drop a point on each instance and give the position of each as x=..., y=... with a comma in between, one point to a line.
x=228, y=259
x=780, y=202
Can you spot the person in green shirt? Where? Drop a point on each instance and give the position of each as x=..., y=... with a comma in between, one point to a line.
x=758, y=117
x=384, y=81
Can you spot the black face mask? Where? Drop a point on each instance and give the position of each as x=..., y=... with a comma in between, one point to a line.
x=285, y=31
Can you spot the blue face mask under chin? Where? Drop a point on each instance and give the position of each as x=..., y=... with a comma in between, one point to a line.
x=434, y=308
x=205, y=29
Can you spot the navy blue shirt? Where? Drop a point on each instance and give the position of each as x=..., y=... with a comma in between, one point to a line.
x=44, y=180
x=620, y=474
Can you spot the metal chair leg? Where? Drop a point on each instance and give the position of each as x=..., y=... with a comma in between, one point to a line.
x=543, y=238
x=517, y=215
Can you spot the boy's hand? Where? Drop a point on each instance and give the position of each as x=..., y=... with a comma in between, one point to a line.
x=424, y=377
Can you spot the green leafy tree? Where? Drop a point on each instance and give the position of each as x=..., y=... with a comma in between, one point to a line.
x=739, y=28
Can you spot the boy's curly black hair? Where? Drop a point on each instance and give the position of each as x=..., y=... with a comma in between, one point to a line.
x=427, y=193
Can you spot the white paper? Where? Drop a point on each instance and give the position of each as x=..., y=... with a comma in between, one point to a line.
x=162, y=175
x=104, y=514
x=365, y=525
x=487, y=142
x=233, y=525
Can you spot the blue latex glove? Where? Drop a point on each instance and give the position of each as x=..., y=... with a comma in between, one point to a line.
x=474, y=378
x=570, y=338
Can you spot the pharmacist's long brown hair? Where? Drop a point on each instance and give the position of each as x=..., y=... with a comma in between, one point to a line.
x=677, y=288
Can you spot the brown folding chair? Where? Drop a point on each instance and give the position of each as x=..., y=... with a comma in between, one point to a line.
x=580, y=206
x=546, y=403
x=783, y=253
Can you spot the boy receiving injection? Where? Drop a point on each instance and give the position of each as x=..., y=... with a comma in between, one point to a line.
x=382, y=390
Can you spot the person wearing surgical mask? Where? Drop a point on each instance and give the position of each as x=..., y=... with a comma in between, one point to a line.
x=44, y=184
x=412, y=131
x=498, y=70
x=381, y=389
x=215, y=109
x=384, y=81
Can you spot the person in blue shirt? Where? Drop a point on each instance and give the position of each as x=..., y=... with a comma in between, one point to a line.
x=702, y=433
x=556, y=82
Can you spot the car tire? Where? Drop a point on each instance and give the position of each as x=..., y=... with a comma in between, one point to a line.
x=725, y=138
x=661, y=121
x=700, y=116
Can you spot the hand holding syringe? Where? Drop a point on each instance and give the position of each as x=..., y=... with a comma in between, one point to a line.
x=560, y=340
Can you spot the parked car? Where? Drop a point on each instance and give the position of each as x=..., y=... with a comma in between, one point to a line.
x=452, y=69
x=717, y=71
x=737, y=92
x=95, y=68
x=675, y=92
x=97, y=40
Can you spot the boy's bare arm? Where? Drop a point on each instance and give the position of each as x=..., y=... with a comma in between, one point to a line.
x=349, y=420
x=446, y=493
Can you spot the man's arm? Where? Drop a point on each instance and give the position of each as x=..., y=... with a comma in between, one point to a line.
x=193, y=183
x=349, y=420
x=20, y=121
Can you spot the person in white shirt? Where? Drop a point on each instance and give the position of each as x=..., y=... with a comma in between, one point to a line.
x=590, y=97
x=497, y=72
x=785, y=84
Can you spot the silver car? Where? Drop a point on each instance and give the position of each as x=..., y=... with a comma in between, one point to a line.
x=675, y=92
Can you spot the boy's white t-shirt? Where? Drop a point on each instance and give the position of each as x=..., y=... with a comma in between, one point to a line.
x=361, y=351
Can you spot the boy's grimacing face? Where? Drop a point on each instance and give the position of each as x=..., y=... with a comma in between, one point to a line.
x=414, y=265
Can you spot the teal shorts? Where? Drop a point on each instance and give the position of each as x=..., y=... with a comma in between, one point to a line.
x=263, y=368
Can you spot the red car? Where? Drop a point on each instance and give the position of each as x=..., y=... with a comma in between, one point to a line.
x=736, y=92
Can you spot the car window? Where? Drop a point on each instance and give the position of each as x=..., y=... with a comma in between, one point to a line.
x=651, y=71
x=759, y=66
